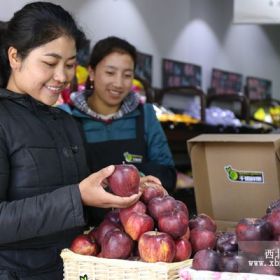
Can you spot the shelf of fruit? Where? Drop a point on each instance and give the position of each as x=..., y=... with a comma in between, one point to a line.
x=157, y=229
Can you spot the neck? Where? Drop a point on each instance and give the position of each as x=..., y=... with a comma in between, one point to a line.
x=100, y=107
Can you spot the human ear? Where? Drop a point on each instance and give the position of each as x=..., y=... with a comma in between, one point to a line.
x=91, y=74
x=14, y=58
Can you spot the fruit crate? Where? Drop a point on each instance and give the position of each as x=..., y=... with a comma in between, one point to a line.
x=79, y=267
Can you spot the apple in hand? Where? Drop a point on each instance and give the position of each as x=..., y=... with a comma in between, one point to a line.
x=250, y=232
x=84, y=245
x=151, y=192
x=137, y=223
x=183, y=250
x=174, y=223
x=154, y=246
x=206, y=259
x=160, y=205
x=203, y=221
x=116, y=244
x=202, y=239
x=125, y=180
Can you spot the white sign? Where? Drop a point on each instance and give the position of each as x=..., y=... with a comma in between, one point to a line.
x=256, y=11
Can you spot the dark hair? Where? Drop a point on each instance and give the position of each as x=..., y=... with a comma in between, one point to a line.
x=108, y=45
x=34, y=25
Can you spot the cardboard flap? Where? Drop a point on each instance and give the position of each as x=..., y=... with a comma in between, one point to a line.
x=252, y=138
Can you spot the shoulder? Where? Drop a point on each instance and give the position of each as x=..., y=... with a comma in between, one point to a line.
x=149, y=111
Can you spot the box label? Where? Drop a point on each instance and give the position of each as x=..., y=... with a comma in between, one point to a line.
x=241, y=176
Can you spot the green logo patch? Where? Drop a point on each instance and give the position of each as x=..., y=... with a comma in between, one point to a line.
x=244, y=176
x=85, y=277
x=132, y=158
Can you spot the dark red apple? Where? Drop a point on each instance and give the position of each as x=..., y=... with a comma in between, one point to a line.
x=233, y=262
x=125, y=180
x=250, y=233
x=186, y=236
x=174, y=223
x=206, y=259
x=202, y=239
x=180, y=205
x=203, y=221
x=137, y=223
x=183, y=250
x=113, y=216
x=273, y=219
x=151, y=192
x=139, y=207
x=84, y=245
x=227, y=242
x=116, y=244
x=154, y=246
x=103, y=228
x=160, y=205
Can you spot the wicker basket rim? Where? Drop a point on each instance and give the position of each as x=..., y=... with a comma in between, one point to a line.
x=67, y=254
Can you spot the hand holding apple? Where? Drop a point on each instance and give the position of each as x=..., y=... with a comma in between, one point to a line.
x=93, y=193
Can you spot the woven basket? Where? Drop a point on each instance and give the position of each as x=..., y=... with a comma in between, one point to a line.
x=79, y=267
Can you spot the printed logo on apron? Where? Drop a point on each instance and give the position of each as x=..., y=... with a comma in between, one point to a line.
x=132, y=158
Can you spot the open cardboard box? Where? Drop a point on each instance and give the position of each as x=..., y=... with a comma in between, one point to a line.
x=235, y=175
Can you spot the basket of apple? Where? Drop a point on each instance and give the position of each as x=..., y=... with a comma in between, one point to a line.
x=148, y=240
x=251, y=251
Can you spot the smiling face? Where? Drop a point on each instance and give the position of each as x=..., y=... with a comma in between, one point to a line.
x=46, y=70
x=112, y=78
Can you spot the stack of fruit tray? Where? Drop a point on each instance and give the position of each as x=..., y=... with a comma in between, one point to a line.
x=80, y=267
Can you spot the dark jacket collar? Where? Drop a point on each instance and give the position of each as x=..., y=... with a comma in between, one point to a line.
x=26, y=101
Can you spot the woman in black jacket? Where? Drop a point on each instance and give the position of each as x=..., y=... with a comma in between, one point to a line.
x=44, y=179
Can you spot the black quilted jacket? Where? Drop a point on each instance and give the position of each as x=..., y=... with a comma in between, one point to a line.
x=41, y=163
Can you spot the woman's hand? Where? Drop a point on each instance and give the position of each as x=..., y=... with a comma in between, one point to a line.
x=147, y=181
x=93, y=193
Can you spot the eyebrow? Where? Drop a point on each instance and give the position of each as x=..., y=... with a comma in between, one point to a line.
x=113, y=67
x=55, y=55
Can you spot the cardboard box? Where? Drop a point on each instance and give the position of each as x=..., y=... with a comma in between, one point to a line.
x=235, y=175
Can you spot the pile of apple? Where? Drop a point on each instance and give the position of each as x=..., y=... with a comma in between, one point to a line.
x=155, y=229
x=254, y=239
